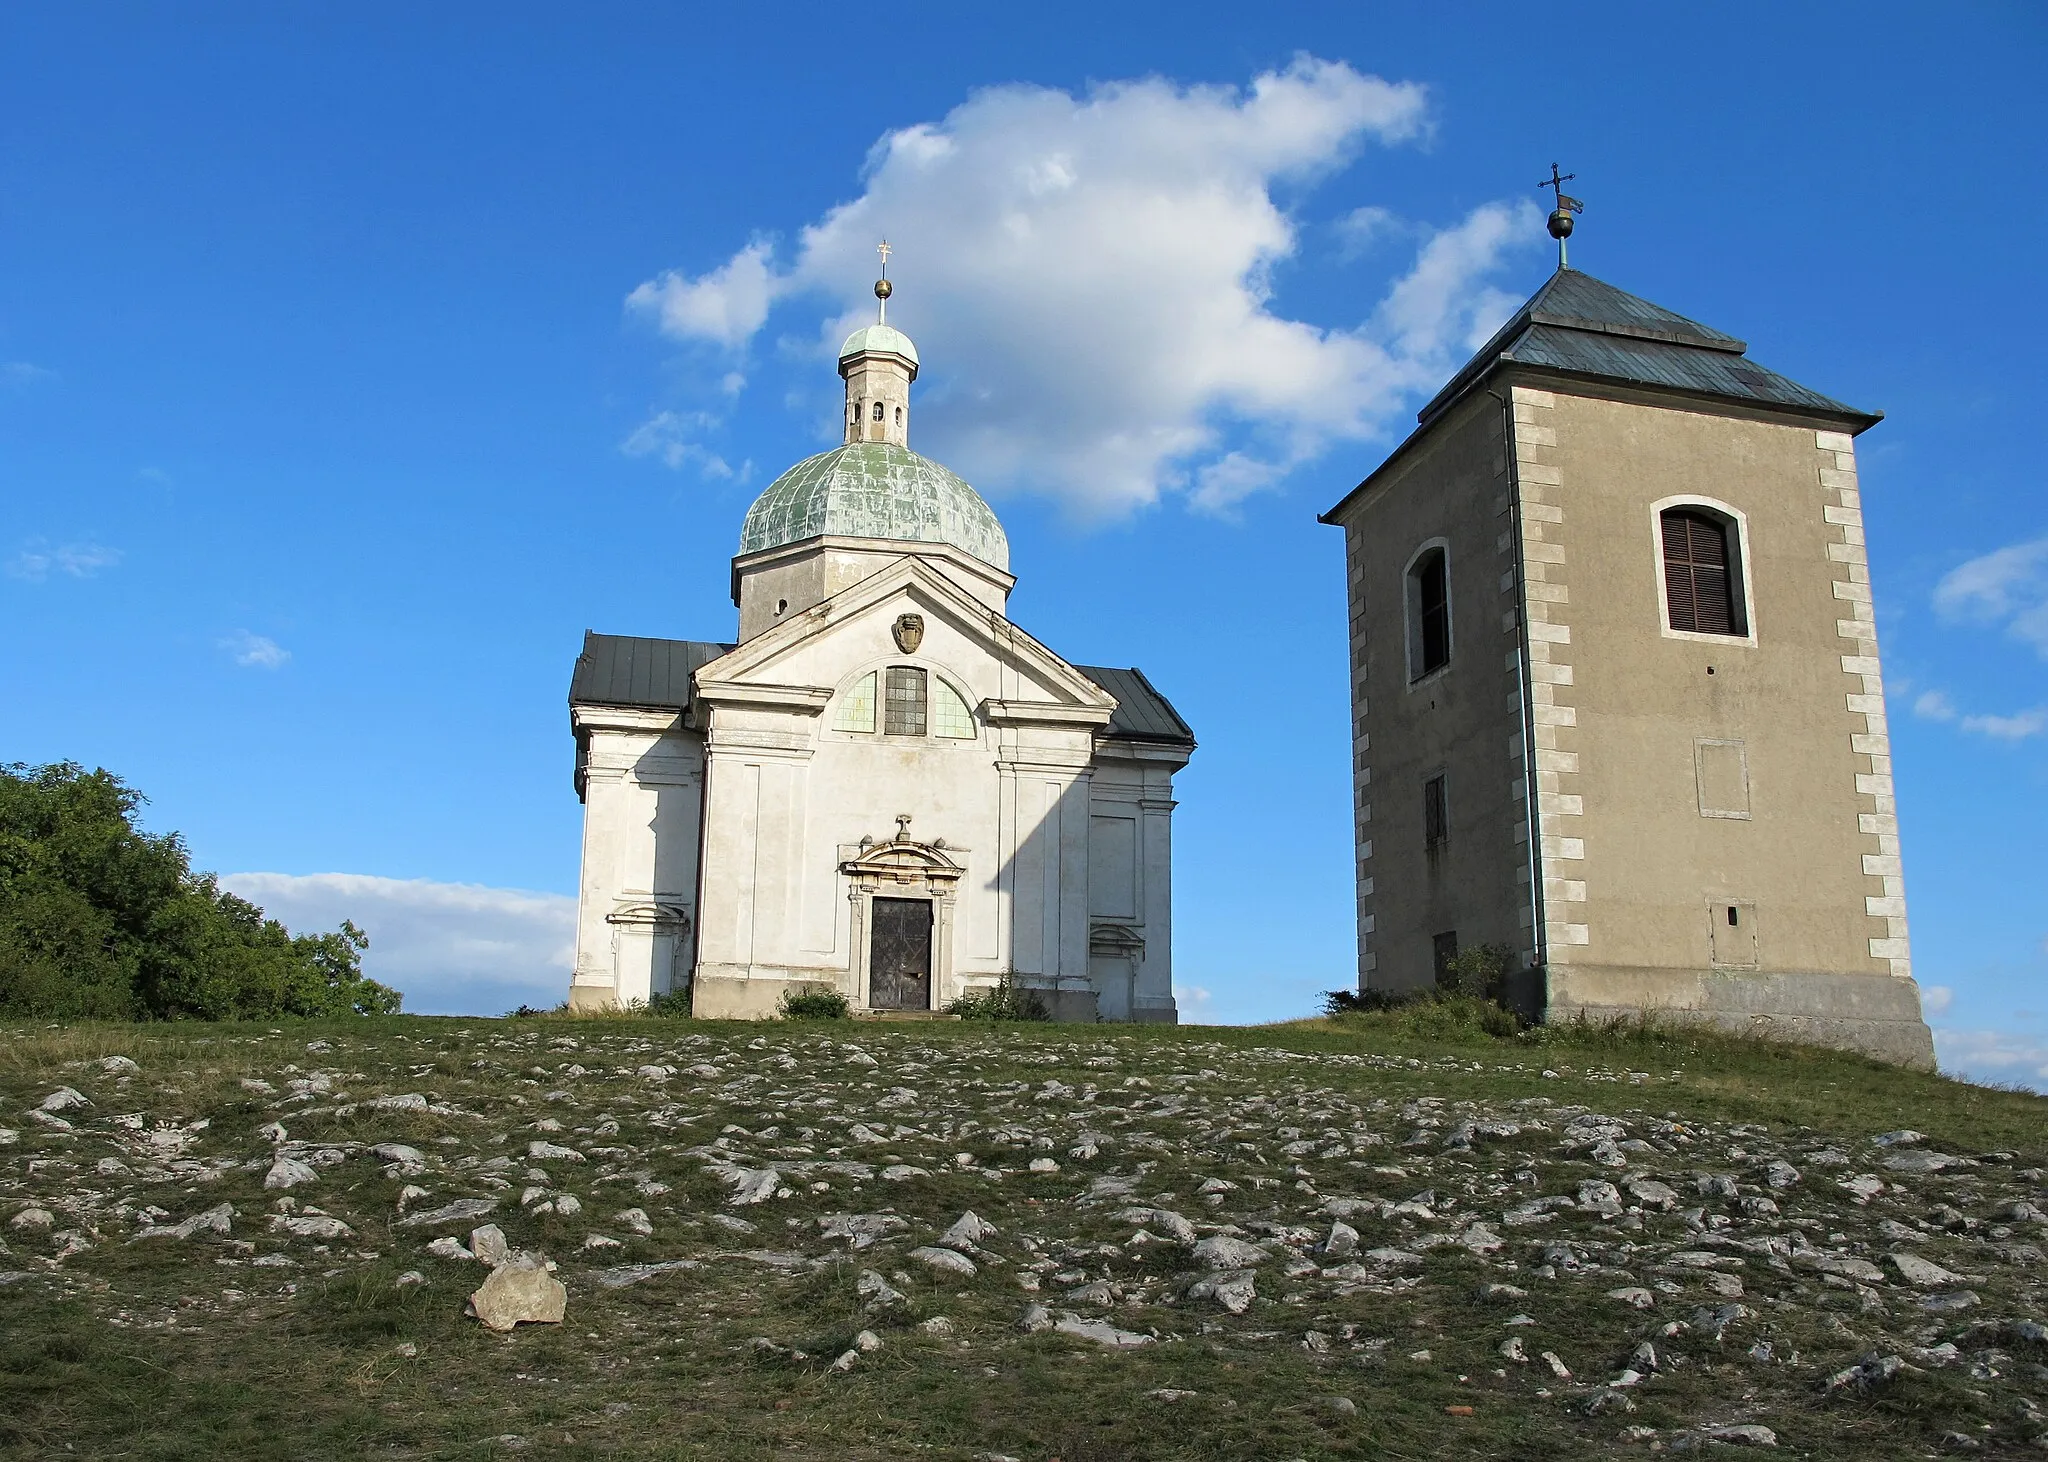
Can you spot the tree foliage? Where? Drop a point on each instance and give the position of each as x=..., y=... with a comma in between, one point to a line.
x=100, y=919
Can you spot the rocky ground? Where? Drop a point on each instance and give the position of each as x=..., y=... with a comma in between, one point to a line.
x=419, y=1238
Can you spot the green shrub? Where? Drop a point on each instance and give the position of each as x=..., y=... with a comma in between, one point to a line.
x=100, y=919
x=1437, y=1014
x=1481, y=972
x=1003, y=1001
x=669, y=1004
x=814, y=1002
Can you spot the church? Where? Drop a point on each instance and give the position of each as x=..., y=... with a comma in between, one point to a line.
x=883, y=787
x=1616, y=699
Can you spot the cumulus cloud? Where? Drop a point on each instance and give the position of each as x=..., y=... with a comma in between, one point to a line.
x=453, y=948
x=671, y=438
x=38, y=559
x=1090, y=279
x=2007, y=587
x=1936, y=999
x=1994, y=1057
x=255, y=652
x=1936, y=705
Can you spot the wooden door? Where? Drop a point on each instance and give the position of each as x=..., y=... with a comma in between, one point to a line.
x=900, y=954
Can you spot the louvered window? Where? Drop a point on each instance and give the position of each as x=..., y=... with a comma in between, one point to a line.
x=903, y=707
x=1699, y=574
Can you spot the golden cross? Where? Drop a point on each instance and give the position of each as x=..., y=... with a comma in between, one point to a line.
x=885, y=251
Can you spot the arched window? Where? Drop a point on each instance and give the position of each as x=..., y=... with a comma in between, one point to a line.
x=904, y=707
x=878, y=411
x=1429, y=612
x=950, y=716
x=899, y=416
x=857, y=706
x=1702, y=579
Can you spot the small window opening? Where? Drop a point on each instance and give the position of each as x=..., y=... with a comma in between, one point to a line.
x=878, y=411
x=781, y=605
x=903, y=708
x=1700, y=574
x=1733, y=917
x=1436, y=822
x=899, y=416
x=1429, y=614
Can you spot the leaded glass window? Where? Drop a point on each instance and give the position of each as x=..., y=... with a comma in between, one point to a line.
x=950, y=716
x=903, y=711
x=857, y=706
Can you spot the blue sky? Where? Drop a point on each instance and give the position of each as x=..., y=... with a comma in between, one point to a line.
x=353, y=362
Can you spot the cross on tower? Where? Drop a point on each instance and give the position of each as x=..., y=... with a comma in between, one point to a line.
x=885, y=251
x=882, y=290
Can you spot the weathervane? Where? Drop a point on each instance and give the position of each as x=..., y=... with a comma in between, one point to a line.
x=882, y=289
x=1561, y=217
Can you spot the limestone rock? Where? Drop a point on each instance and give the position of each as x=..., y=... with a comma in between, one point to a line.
x=487, y=1245
x=945, y=1261
x=288, y=1172
x=460, y=1211
x=1101, y=1332
x=63, y=1099
x=519, y=1291
x=1219, y=1251
x=1234, y=1290
x=1922, y=1273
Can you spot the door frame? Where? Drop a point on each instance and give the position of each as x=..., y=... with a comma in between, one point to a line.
x=901, y=869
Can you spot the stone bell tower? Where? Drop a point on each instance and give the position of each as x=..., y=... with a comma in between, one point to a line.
x=1616, y=696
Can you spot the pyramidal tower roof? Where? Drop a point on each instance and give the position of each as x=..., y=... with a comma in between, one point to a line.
x=1584, y=328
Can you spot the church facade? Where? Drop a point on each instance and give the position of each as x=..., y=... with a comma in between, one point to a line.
x=1616, y=695
x=883, y=786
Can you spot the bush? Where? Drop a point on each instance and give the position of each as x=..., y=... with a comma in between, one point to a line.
x=1003, y=1001
x=1437, y=1014
x=101, y=920
x=1481, y=972
x=814, y=1002
x=669, y=1004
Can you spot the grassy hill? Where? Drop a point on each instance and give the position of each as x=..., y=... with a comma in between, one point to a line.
x=1337, y=1239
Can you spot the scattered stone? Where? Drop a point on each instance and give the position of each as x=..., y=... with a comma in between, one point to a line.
x=462, y=1210
x=519, y=1291
x=1234, y=1290
x=449, y=1247
x=1872, y=1370
x=945, y=1261
x=487, y=1245
x=63, y=1099
x=1922, y=1273
x=622, y=1275
x=1219, y=1251
x=33, y=1219
x=289, y=1172
x=1101, y=1332
x=1747, y=1434
x=218, y=1219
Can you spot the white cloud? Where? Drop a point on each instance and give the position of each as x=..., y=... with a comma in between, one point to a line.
x=23, y=373
x=1936, y=999
x=256, y=652
x=2008, y=586
x=453, y=948
x=669, y=436
x=1089, y=279
x=37, y=560
x=1935, y=705
x=2001, y=1057
x=2009, y=728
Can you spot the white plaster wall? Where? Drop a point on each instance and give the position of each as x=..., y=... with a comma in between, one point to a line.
x=642, y=819
x=1131, y=880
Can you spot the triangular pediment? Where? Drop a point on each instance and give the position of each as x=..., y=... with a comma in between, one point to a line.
x=779, y=657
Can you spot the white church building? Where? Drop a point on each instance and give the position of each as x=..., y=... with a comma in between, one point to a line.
x=885, y=787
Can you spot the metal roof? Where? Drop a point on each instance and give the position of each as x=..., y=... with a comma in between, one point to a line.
x=1581, y=326
x=625, y=670
x=1142, y=713
x=874, y=490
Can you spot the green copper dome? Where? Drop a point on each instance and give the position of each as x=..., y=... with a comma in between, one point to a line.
x=874, y=490
x=882, y=339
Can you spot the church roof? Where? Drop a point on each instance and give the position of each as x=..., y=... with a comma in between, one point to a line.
x=874, y=490
x=1583, y=327
x=1142, y=713
x=624, y=670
